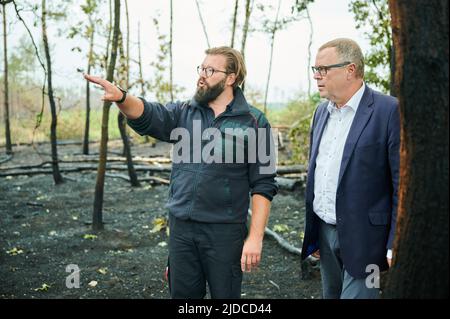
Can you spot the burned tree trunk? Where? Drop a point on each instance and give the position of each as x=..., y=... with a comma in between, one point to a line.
x=123, y=79
x=56, y=174
x=88, y=89
x=420, y=268
x=97, y=223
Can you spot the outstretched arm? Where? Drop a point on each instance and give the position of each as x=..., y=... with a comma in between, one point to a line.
x=132, y=107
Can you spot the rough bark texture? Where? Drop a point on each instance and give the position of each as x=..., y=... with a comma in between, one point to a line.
x=57, y=177
x=420, y=30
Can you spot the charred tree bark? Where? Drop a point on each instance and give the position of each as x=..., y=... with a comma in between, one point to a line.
x=420, y=30
x=88, y=89
x=126, y=145
x=124, y=80
x=56, y=174
x=97, y=222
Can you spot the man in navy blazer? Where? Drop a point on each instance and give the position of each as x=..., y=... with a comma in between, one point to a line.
x=351, y=193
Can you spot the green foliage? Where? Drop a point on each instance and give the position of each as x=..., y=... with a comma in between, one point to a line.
x=301, y=5
x=374, y=16
x=300, y=130
x=22, y=61
x=160, y=85
x=270, y=26
x=297, y=115
x=86, y=28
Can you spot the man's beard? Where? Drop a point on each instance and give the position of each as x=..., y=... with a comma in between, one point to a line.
x=206, y=94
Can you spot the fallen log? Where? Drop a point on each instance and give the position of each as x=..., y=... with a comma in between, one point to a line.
x=30, y=170
x=288, y=183
x=308, y=266
x=291, y=169
x=155, y=160
x=6, y=159
x=153, y=179
x=163, y=167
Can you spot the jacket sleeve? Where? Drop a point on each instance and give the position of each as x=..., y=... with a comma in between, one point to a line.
x=262, y=173
x=157, y=120
x=394, y=163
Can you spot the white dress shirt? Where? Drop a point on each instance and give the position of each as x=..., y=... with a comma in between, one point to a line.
x=329, y=158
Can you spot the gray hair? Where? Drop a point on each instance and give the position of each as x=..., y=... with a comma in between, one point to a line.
x=348, y=50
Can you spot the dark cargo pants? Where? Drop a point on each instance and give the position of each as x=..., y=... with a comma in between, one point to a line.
x=205, y=252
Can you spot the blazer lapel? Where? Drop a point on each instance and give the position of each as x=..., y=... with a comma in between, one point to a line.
x=318, y=133
x=360, y=120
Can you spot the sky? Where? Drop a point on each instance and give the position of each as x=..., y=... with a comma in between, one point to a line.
x=330, y=18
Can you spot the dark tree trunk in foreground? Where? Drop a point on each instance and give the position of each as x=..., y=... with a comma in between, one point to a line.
x=97, y=223
x=56, y=174
x=420, y=30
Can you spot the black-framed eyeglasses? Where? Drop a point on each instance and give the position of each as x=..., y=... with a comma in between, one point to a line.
x=323, y=69
x=208, y=71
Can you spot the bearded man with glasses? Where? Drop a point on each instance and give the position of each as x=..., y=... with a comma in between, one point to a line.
x=351, y=192
x=209, y=200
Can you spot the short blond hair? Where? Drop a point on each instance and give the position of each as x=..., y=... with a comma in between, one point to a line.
x=235, y=62
x=348, y=50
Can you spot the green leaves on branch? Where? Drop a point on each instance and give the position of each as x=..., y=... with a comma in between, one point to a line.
x=374, y=17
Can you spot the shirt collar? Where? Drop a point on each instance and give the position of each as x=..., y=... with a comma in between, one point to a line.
x=353, y=103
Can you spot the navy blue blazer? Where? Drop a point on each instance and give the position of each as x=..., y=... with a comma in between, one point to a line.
x=366, y=197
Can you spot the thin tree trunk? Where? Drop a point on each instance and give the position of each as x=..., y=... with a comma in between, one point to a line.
x=126, y=144
x=108, y=40
x=121, y=120
x=203, y=23
x=248, y=10
x=6, y=93
x=97, y=222
x=56, y=174
x=272, y=44
x=88, y=89
x=126, y=70
x=128, y=46
x=141, y=77
x=311, y=30
x=171, y=52
x=420, y=268
x=233, y=27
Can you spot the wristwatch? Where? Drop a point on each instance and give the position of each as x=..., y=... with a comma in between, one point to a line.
x=124, y=95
